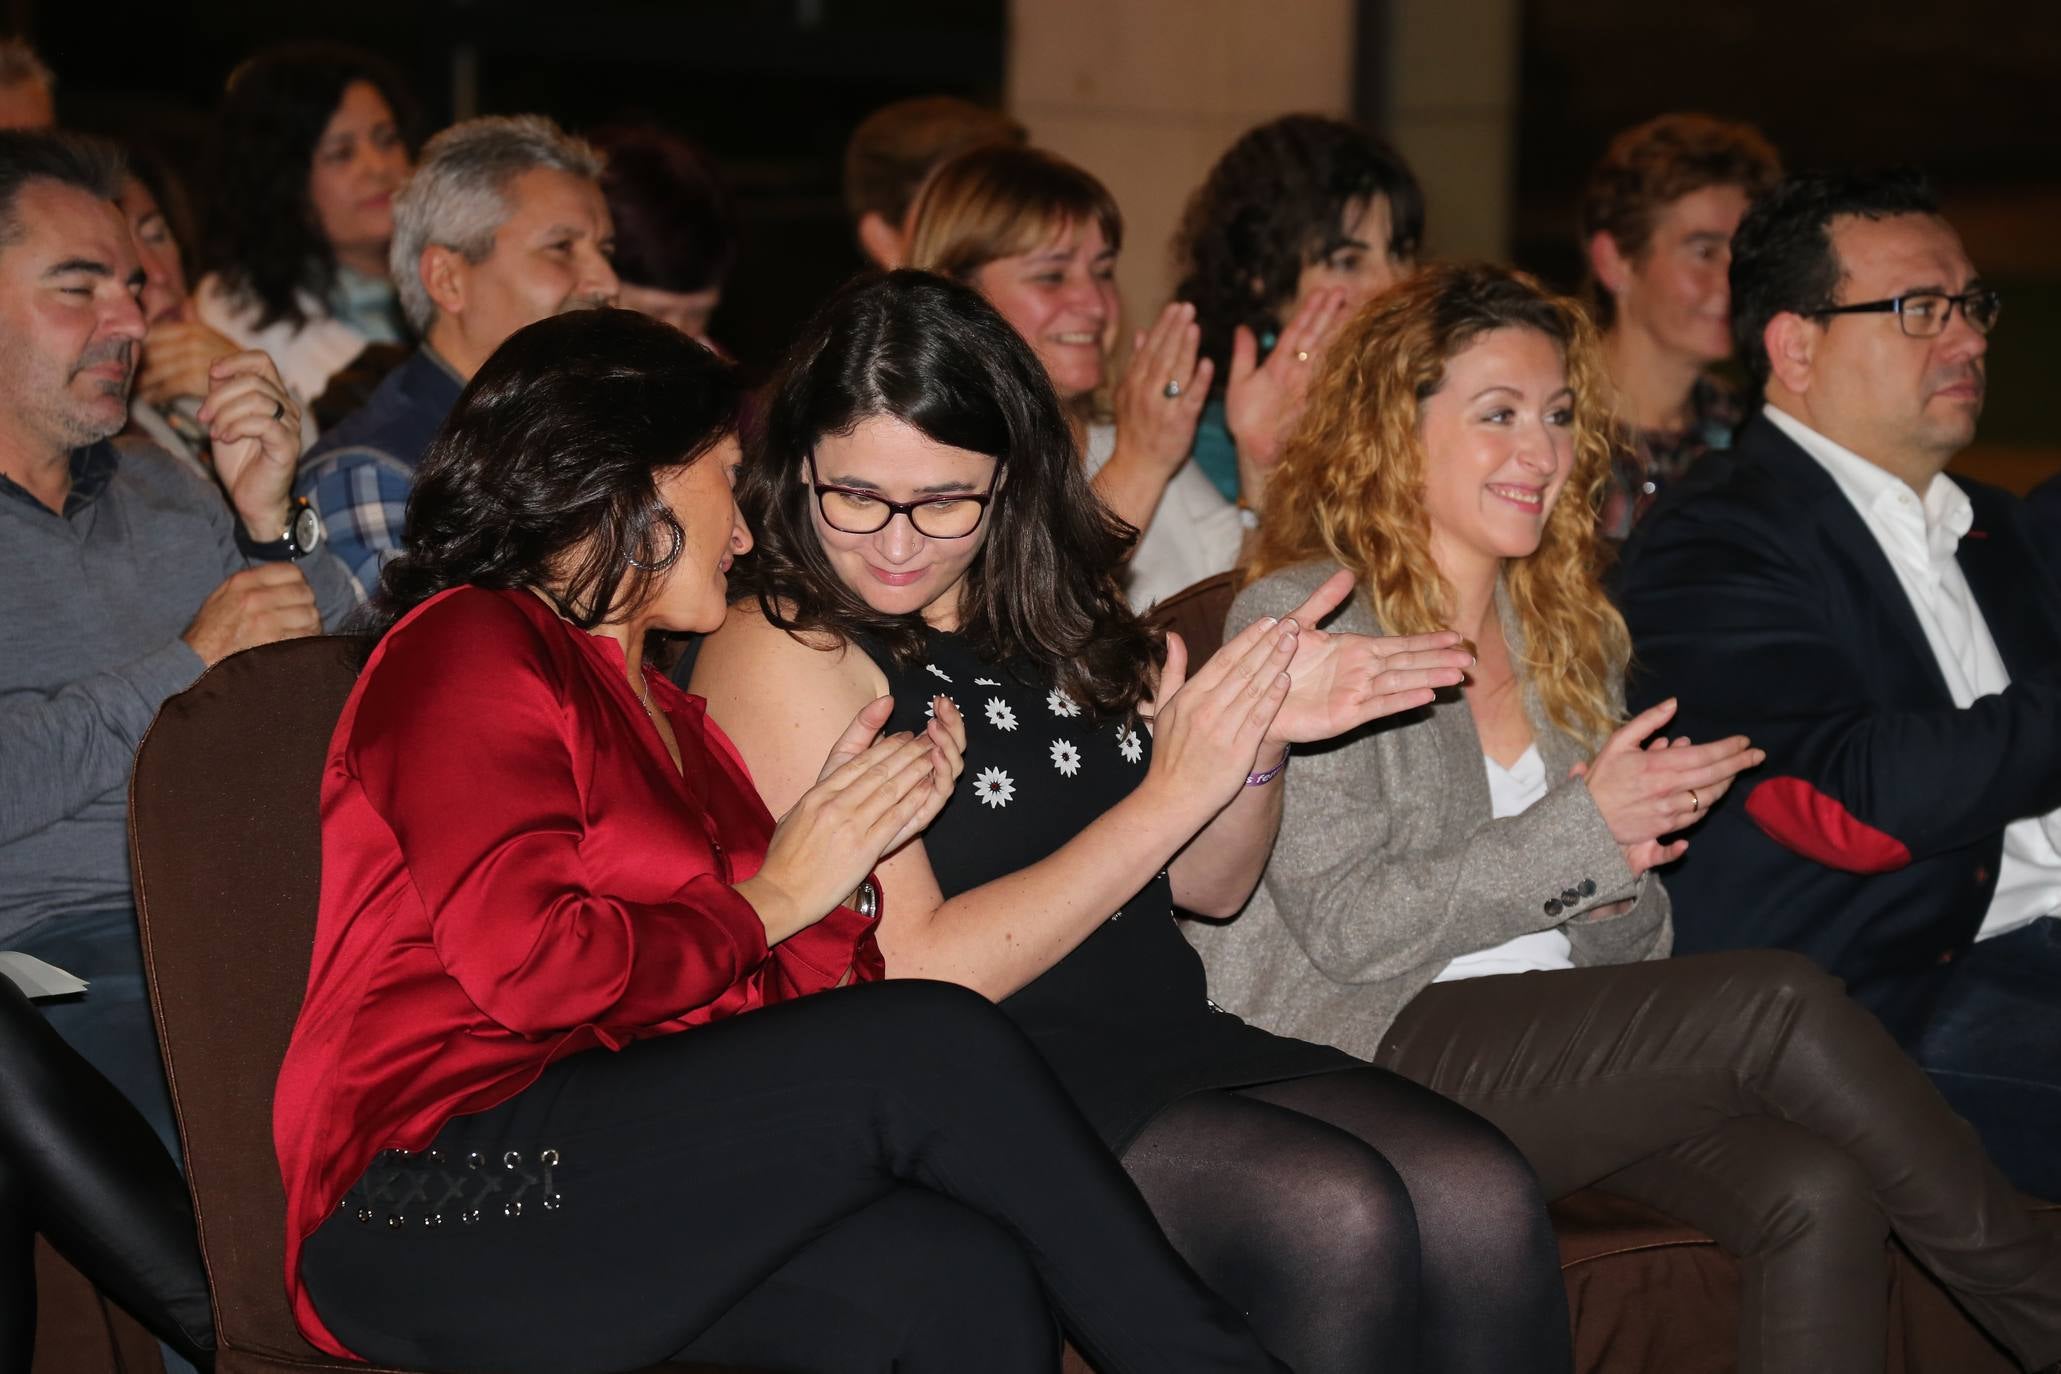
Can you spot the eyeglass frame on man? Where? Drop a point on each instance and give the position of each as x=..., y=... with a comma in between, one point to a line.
x=1896, y=305
x=903, y=508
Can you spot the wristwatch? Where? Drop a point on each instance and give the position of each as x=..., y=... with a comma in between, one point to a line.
x=303, y=536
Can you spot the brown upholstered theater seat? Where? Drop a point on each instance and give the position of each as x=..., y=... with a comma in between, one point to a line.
x=80, y=1332
x=225, y=842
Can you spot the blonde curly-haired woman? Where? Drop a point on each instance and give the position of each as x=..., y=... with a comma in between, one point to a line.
x=1467, y=894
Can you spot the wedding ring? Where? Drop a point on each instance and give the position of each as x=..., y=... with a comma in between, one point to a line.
x=1695, y=802
x=1302, y=355
x=278, y=409
x=1172, y=391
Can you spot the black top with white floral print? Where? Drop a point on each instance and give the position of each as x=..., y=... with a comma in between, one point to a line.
x=1125, y=1019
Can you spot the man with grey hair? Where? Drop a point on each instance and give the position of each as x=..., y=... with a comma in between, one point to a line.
x=502, y=225
x=27, y=89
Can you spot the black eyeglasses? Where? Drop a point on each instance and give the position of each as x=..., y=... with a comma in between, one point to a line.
x=1924, y=314
x=856, y=511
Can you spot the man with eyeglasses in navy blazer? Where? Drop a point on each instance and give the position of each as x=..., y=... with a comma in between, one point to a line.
x=1891, y=635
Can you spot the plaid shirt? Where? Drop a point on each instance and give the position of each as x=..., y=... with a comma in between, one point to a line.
x=359, y=476
x=362, y=496
x=1644, y=461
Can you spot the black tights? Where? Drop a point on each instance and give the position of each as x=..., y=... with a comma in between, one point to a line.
x=80, y=1165
x=1361, y=1222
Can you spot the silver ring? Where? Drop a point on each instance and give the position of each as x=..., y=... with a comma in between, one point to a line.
x=1172, y=391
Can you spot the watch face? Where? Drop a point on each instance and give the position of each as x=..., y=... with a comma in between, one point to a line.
x=306, y=530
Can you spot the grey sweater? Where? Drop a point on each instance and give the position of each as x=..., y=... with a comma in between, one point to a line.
x=1390, y=864
x=92, y=604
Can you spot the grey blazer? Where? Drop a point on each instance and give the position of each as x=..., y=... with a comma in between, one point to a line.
x=1390, y=864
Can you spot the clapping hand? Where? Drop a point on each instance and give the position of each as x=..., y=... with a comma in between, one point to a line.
x=873, y=794
x=1155, y=428
x=1341, y=681
x=1263, y=399
x=1646, y=791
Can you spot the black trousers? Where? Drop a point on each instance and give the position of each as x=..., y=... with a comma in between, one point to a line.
x=881, y=1177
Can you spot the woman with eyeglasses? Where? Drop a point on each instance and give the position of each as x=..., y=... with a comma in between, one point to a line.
x=595, y=1067
x=924, y=525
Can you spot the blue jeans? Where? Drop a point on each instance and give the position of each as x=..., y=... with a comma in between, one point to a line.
x=1993, y=1046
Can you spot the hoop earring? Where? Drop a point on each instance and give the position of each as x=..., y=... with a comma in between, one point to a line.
x=672, y=555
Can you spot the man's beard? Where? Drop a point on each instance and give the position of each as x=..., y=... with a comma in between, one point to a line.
x=74, y=419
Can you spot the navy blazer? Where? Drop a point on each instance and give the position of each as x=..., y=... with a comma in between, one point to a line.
x=1870, y=838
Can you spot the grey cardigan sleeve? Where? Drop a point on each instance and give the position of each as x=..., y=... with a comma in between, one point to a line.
x=1366, y=897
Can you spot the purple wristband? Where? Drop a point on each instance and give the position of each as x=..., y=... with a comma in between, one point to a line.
x=1262, y=779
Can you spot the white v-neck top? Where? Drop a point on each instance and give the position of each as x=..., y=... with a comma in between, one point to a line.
x=1511, y=790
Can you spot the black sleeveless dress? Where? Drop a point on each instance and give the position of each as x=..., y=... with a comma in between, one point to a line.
x=1125, y=1019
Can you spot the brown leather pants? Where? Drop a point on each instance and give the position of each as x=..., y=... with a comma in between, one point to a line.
x=1746, y=1094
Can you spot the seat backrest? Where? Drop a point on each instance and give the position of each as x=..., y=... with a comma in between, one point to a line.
x=226, y=844
x=1197, y=613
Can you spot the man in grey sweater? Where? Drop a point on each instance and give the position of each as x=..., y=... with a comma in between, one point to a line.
x=122, y=578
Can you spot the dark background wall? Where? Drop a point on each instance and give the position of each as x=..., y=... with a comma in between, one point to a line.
x=1967, y=89
x=770, y=87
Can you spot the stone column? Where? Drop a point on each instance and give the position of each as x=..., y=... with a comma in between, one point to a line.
x=1146, y=94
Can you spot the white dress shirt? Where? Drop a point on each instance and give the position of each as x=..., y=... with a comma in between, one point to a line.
x=1919, y=538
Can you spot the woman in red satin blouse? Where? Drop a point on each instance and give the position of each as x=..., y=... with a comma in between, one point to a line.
x=535, y=847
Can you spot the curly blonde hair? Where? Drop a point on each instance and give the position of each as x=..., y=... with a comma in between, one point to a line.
x=1350, y=487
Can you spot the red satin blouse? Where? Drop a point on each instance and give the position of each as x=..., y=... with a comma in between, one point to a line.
x=512, y=872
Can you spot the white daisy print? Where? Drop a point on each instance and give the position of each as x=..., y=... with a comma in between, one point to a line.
x=930, y=707
x=994, y=787
x=985, y=682
x=999, y=714
x=1060, y=704
x=1065, y=757
x=1128, y=744
x=939, y=671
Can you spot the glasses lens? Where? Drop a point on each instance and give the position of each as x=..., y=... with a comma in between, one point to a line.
x=1924, y=316
x=1982, y=309
x=852, y=512
x=946, y=519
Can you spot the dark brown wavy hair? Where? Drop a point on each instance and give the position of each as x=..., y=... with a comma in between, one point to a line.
x=1274, y=203
x=936, y=356
x=545, y=475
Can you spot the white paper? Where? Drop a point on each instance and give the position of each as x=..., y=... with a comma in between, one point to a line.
x=36, y=978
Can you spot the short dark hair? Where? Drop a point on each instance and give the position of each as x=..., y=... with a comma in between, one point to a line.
x=935, y=355
x=91, y=165
x=261, y=234
x=894, y=148
x=675, y=228
x=1782, y=256
x=1652, y=165
x=558, y=442
x=1269, y=207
